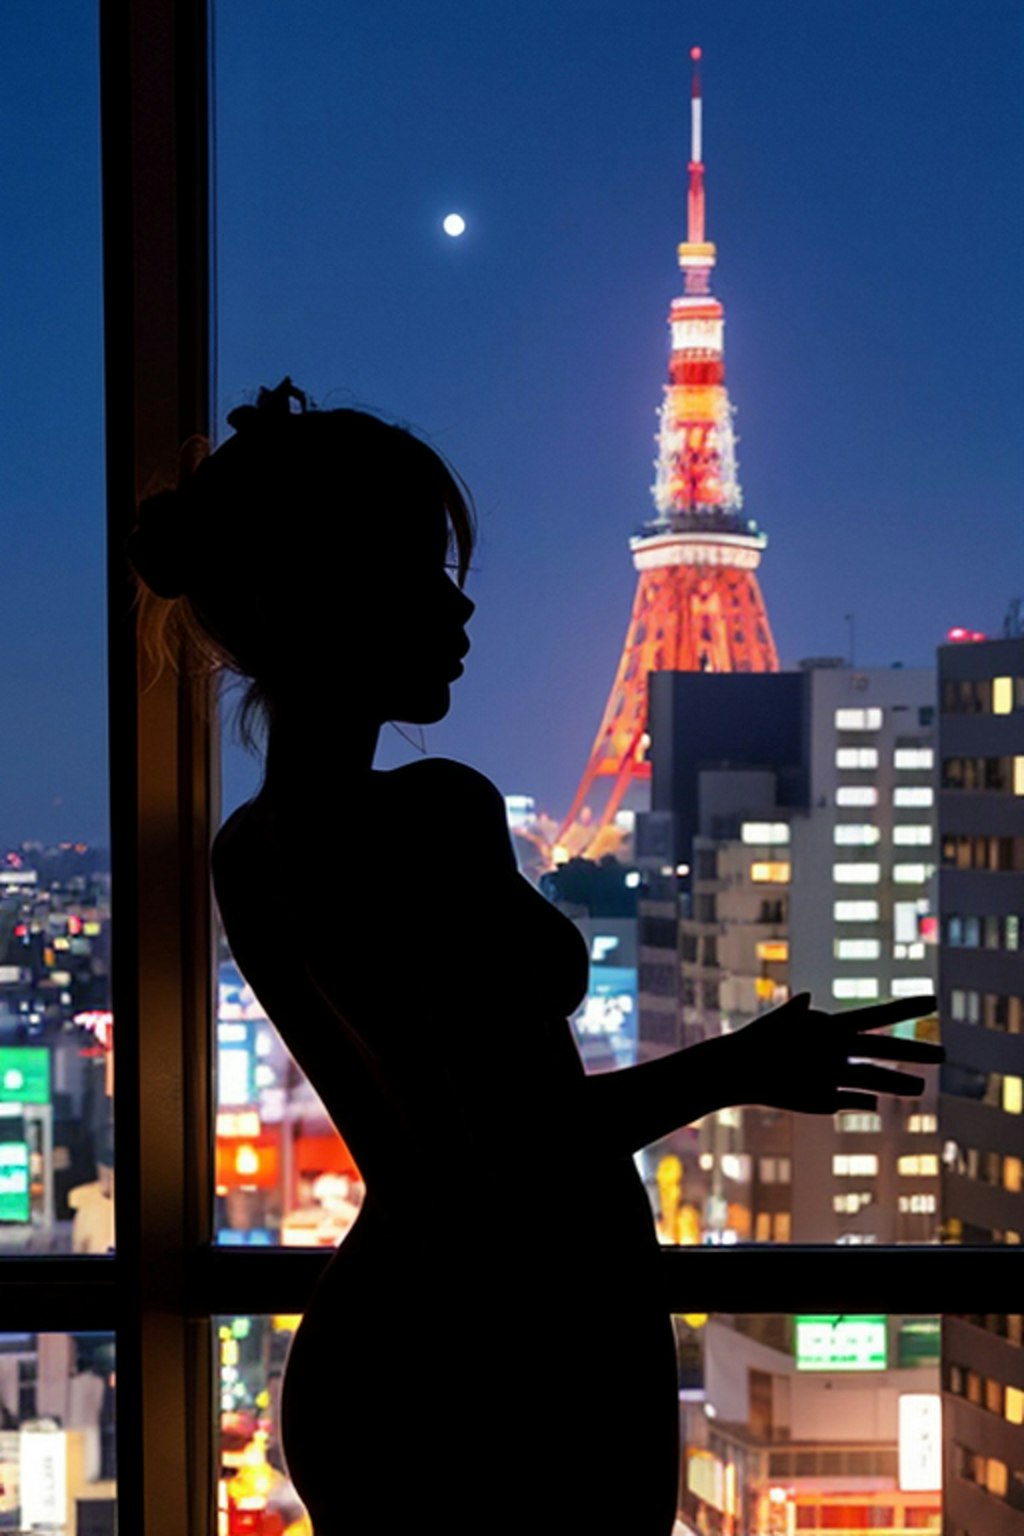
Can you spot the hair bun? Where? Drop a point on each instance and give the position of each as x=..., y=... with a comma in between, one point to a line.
x=158, y=547
x=272, y=405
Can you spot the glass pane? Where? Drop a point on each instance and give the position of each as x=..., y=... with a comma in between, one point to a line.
x=56, y=1121
x=787, y=1423
x=283, y=1173
x=529, y=343
x=57, y=1433
x=255, y=1496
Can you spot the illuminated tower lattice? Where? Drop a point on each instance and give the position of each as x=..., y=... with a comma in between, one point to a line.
x=698, y=606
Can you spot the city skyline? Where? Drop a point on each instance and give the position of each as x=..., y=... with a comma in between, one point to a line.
x=862, y=177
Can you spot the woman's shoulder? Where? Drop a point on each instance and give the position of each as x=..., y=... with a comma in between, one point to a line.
x=442, y=811
x=443, y=780
x=407, y=808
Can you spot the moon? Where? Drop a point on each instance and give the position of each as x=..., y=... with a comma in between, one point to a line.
x=454, y=225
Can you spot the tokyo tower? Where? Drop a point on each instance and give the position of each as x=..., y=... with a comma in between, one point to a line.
x=698, y=605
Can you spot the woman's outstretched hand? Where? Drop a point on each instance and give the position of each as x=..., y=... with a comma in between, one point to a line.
x=802, y=1058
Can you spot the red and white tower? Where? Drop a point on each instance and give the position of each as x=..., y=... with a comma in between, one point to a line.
x=698, y=605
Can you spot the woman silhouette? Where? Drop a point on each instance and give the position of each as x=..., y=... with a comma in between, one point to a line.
x=488, y=1351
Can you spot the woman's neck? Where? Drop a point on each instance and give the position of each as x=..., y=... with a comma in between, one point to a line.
x=309, y=762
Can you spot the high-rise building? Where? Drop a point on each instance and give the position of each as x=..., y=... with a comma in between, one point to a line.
x=814, y=1425
x=981, y=1110
x=698, y=605
x=863, y=927
x=802, y=816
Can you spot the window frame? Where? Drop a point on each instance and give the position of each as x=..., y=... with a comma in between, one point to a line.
x=167, y=1281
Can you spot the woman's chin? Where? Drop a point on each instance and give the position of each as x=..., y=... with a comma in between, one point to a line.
x=428, y=708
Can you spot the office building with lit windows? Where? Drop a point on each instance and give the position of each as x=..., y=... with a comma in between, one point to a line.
x=862, y=928
x=815, y=1424
x=981, y=829
x=807, y=852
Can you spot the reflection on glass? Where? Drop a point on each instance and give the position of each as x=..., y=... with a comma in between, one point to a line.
x=283, y=1174
x=57, y=1433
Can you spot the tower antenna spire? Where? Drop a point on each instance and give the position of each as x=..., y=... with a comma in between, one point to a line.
x=695, y=200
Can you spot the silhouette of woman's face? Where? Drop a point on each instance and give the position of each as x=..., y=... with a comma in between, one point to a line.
x=422, y=651
x=387, y=637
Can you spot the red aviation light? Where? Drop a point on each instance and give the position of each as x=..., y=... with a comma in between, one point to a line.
x=960, y=636
x=695, y=54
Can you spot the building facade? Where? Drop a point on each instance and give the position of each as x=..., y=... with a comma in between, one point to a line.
x=981, y=828
x=796, y=837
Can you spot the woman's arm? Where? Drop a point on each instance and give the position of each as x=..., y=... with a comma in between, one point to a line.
x=795, y=1058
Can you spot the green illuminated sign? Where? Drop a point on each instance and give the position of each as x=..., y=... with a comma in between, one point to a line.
x=839, y=1343
x=14, y=1191
x=24, y=1074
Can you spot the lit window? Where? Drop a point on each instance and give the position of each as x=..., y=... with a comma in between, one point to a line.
x=863, y=794
x=1012, y=1171
x=913, y=757
x=773, y=950
x=922, y=1123
x=911, y=986
x=854, y=1164
x=850, y=1204
x=847, y=987
x=1002, y=695
x=862, y=1121
x=858, y=719
x=1012, y=1095
x=855, y=911
x=912, y=874
x=768, y=832
x=996, y=1476
x=918, y=1165
x=1014, y=1405
x=769, y=874
x=856, y=757
x=856, y=834
x=1018, y=775
x=857, y=949
x=767, y=1170
x=856, y=874
x=917, y=836
x=915, y=795
x=917, y=1204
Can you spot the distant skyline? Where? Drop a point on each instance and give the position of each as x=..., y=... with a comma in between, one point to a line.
x=864, y=175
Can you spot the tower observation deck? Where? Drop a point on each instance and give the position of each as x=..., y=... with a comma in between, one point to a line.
x=698, y=605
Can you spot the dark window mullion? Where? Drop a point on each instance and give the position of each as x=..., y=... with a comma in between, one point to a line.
x=58, y=1295
x=154, y=155
x=786, y=1278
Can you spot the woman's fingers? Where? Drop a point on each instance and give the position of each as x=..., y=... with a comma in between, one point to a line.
x=848, y=1099
x=892, y=1048
x=896, y=1012
x=881, y=1079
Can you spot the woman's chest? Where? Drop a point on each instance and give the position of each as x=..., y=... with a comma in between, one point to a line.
x=498, y=948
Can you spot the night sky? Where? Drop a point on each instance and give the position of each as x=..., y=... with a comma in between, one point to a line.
x=864, y=173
